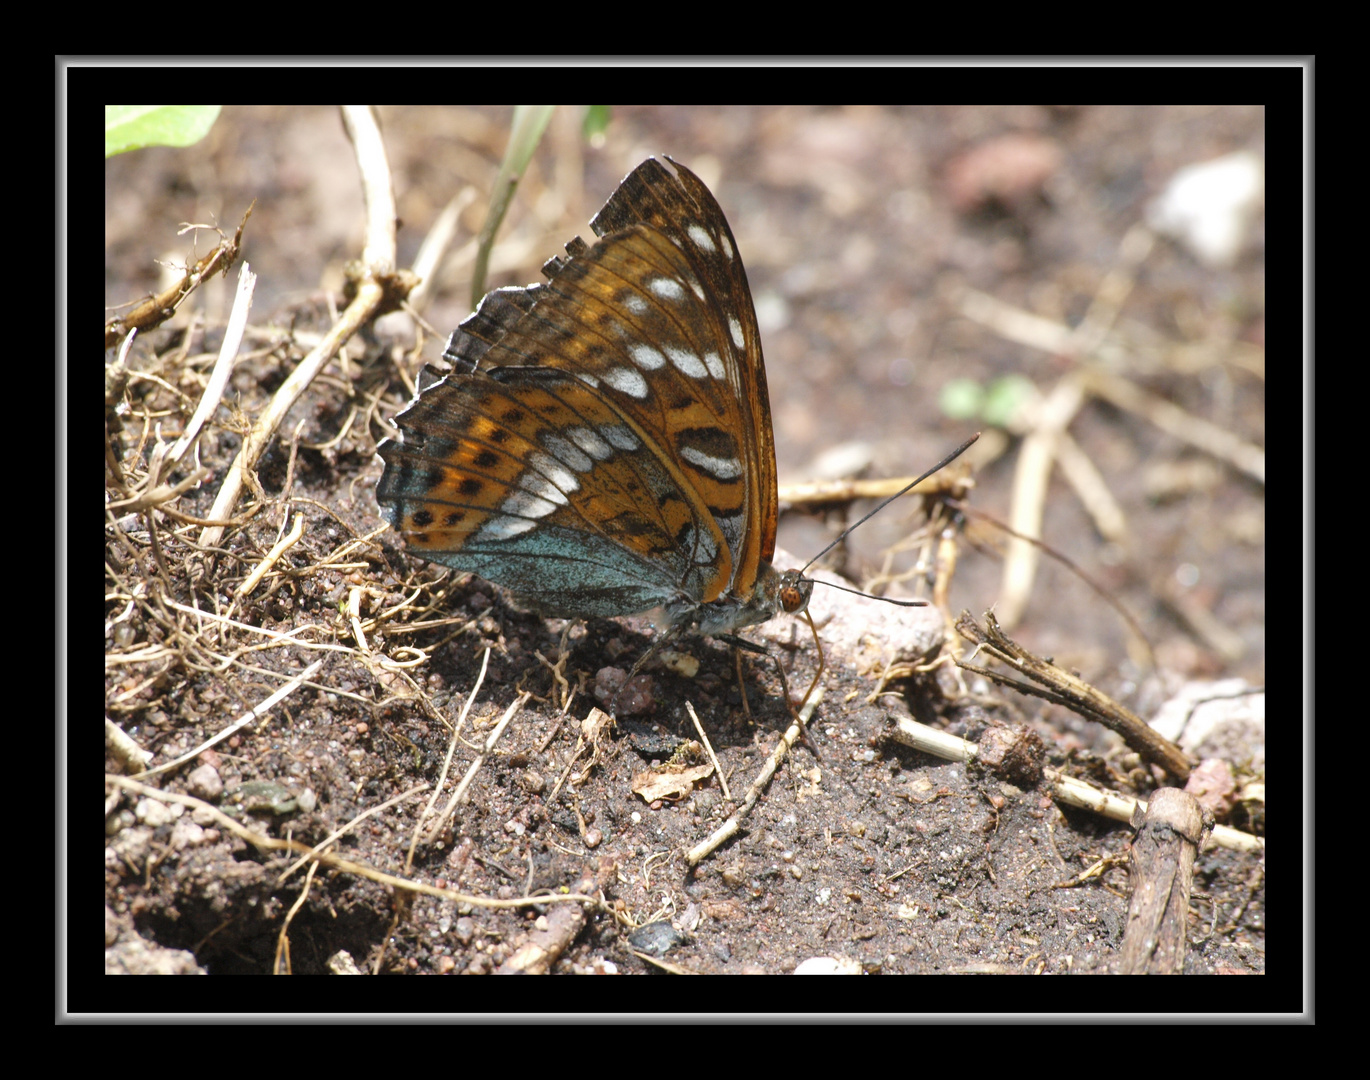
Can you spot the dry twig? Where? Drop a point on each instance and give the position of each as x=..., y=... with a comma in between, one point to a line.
x=1060, y=686
x=729, y=828
x=1065, y=789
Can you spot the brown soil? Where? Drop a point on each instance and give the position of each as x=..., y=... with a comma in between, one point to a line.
x=861, y=229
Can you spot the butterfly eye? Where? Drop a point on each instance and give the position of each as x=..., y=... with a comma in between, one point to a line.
x=794, y=591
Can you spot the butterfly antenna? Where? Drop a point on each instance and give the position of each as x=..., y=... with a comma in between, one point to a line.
x=852, y=528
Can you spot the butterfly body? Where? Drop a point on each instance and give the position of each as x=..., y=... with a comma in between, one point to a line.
x=603, y=444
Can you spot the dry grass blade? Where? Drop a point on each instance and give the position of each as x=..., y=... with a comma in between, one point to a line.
x=270, y=843
x=380, y=287
x=338, y=833
x=459, y=796
x=250, y=717
x=729, y=828
x=447, y=761
x=1176, y=422
x=709, y=749
x=223, y=366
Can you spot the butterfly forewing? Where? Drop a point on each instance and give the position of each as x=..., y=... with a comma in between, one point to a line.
x=683, y=209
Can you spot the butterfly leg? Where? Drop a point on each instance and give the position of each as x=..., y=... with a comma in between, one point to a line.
x=818, y=644
x=751, y=646
x=661, y=642
x=741, y=684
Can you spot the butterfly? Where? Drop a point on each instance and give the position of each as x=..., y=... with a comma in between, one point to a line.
x=602, y=445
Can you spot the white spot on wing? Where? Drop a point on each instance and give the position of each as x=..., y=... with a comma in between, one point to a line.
x=543, y=489
x=667, y=288
x=646, y=357
x=702, y=237
x=715, y=365
x=527, y=505
x=735, y=328
x=687, y=363
x=723, y=468
x=619, y=437
x=626, y=381
x=504, y=528
x=566, y=452
x=591, y=443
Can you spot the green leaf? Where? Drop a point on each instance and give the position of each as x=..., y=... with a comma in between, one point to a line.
x=966, y=399
x=530, y=121
x=131, y=127
x=595, y=124
x=1006, y=396
x=961, y=399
